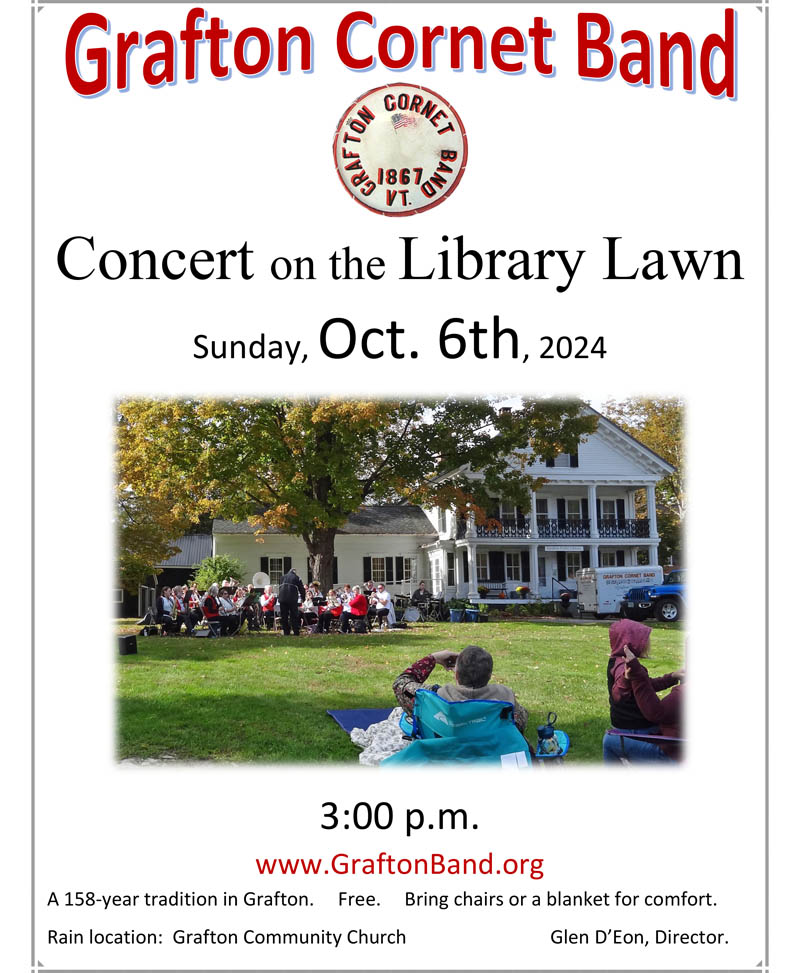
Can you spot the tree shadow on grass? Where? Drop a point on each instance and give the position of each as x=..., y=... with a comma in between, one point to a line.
x=273, y=727
x=207, y=650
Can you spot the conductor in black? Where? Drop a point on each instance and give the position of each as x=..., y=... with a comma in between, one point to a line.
x=290, y=593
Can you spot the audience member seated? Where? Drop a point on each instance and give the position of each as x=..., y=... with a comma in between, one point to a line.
x=472, y=668
x=666, y=712
x=625, y=711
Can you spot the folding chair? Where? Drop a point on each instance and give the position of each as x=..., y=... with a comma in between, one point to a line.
x=647, y=737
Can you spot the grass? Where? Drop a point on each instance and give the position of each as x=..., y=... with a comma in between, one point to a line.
x=263, y=697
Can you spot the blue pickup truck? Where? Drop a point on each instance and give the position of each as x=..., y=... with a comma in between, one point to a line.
x=665, y=602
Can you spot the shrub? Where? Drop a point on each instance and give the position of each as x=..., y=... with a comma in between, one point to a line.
x=214, y=569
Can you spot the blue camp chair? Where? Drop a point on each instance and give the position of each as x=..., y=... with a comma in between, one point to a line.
x=471, y=731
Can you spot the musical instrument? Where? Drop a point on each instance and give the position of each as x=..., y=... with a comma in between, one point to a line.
x=260, y=579
x=411, y=614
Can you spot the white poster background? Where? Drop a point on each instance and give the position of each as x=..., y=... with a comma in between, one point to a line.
x=124, y=829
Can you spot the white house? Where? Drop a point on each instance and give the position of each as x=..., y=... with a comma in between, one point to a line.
x=385, y=543
x=583, y=515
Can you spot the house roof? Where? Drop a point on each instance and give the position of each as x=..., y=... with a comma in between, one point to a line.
x=625, y=433
x=193, y=548
x=385, y=519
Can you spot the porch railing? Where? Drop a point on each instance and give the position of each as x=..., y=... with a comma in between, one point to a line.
x=624, y=527
x=563, y=528
x=560, y=527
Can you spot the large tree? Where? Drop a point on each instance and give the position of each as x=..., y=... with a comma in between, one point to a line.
x=305, y=465
x=659, y=424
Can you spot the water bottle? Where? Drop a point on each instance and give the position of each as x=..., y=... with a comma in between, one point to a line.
x=548, y=742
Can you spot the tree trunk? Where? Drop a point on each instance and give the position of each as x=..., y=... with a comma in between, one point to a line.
x=320, y=544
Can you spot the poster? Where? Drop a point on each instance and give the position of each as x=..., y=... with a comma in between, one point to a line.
x=267, y=203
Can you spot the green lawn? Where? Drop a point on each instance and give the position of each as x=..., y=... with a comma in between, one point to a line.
x=263, y=697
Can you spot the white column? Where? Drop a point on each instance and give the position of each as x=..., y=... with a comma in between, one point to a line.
x=472, y=594
x=653, y=556
x=459, y=562
x=594, y=555
x=534, y=525
x=533, y=554
x=651, y=510
x=593, y=531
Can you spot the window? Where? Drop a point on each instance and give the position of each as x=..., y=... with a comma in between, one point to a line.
x=563, y=461
x=573, y=508
x=507, y=511
x=451, y=570
x=608, y=559
x=437, y=576
x=482, y=559
x=542, y=571
x=513, y=566
x=409, y=569
x=275, y=570
x=608, y=509
x=541, y=509
x=574, y=564
x=377, y=570
x=442, y=514
x=118, y=596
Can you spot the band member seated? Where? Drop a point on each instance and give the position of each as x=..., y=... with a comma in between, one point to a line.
x=267, y=602
x=213, y=612
x=331, y=610
x=358, y=611
x=191, y=598
x=308, y=611
x=346, y=596
x=170, y=625
x=421, y=596
x=384, y=608
x=181, y=613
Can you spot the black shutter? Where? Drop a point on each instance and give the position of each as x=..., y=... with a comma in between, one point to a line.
x=550, y=462
x=584, y=508
x=599, y=512
x=497, y=566
x=525, y=559
x=466, y=565
x=620, y=509
x=561, y=566
x=335, y=570
x=398, y=569
x=620, y=559
x=389, y=569
x=584, y=559
x=573, y=460
x=561, y=509
x=264, y=561
x=287, y=565
x=366, y=568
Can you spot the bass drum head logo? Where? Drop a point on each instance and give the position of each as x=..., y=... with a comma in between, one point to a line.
x=400, y=149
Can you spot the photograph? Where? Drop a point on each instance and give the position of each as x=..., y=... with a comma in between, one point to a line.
x=384, y=582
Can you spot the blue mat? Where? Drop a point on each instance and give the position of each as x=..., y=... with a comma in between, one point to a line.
x=350, y=719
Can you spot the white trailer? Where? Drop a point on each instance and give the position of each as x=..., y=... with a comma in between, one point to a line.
x=600, y=590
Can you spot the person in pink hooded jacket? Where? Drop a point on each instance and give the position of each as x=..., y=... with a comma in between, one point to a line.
x=625, y=712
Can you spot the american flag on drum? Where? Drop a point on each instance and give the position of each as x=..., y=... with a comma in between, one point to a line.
x=399, y=120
